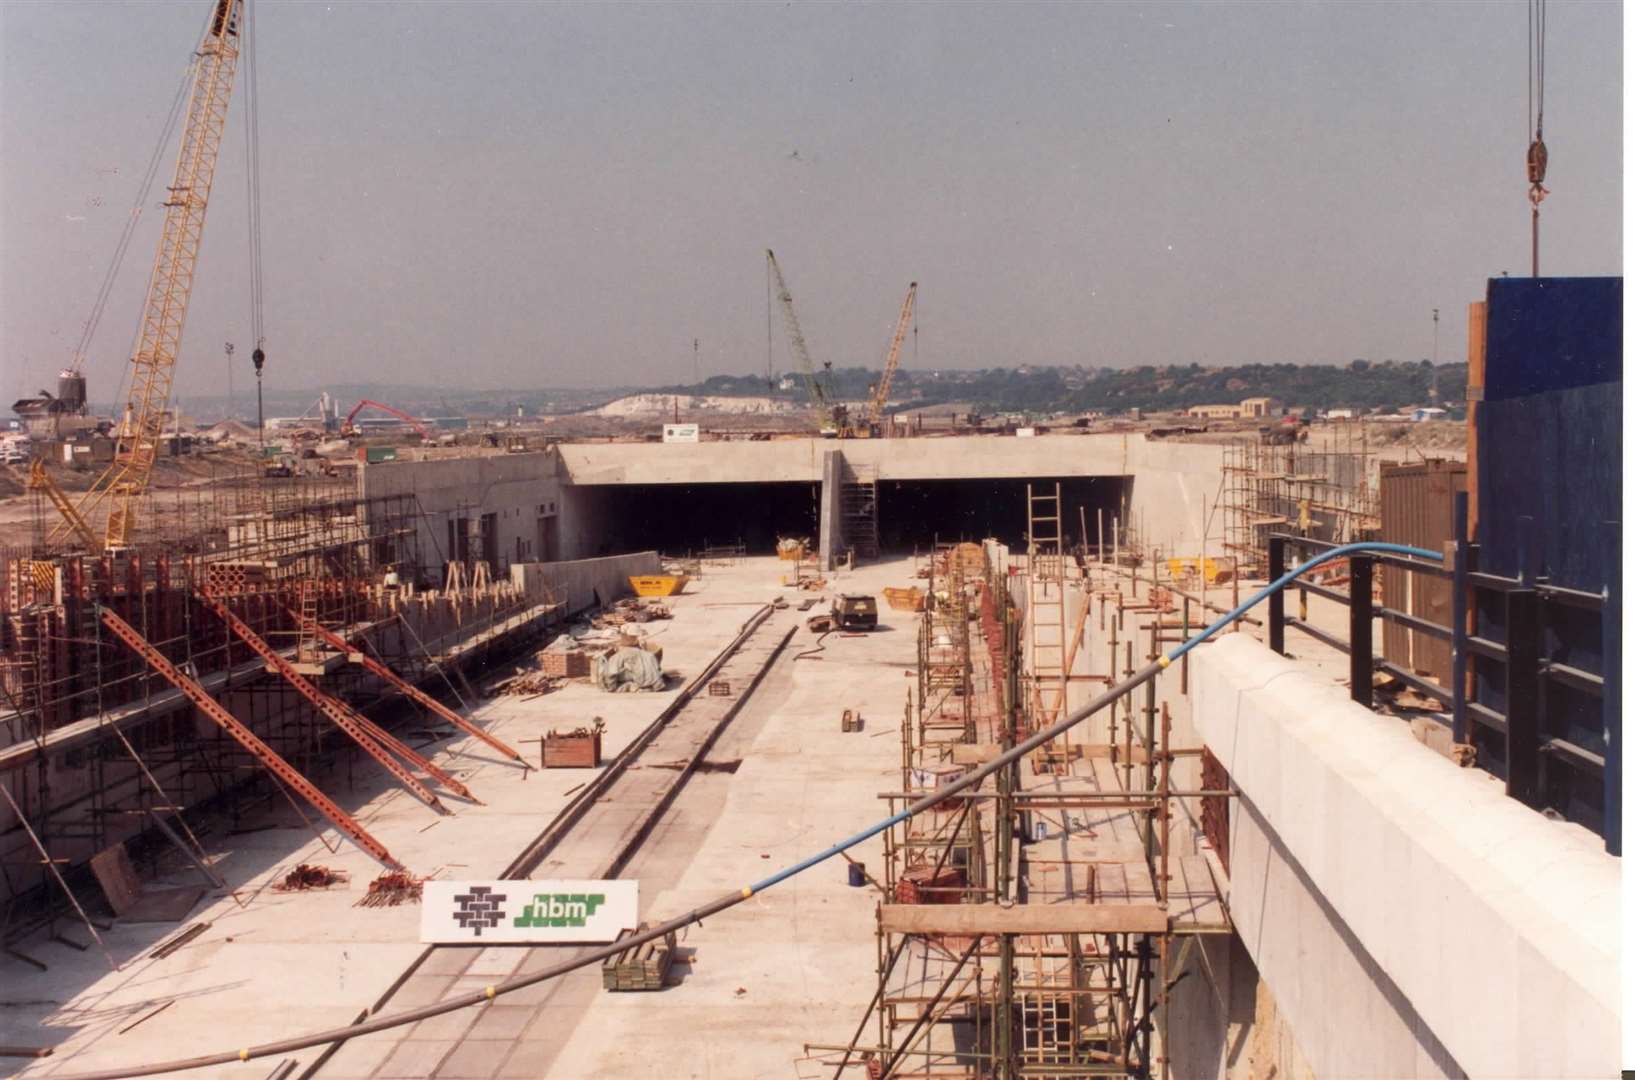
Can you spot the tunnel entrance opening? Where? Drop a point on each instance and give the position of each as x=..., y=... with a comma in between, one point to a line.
x=681, y=518
x=917, y=514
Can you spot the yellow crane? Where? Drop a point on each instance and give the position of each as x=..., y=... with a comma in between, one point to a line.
x=877, y=404
x=119, y=490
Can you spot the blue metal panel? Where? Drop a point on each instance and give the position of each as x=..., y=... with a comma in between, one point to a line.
x=1550, y=441
x=1552, y=333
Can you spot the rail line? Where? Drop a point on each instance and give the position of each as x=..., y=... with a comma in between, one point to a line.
x=575, y=843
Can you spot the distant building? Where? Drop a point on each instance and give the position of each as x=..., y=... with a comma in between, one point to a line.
x=1260, y=406
x=1340, y=414
x=1216, y=412
x=1429, y=412
x=54, y=417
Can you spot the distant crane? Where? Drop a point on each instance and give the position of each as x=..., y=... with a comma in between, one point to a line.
x=418, y=425
x=827, y=415
x=119, y=489
x=878, y=404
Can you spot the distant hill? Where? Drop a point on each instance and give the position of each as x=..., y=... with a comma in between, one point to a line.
x=1360, y=384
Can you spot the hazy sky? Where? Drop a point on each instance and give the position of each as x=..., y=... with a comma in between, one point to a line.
x=520, y=194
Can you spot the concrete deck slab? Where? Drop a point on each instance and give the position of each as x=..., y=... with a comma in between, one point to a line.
x=276, y=964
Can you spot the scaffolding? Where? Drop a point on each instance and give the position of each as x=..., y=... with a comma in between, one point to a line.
x=1328, y=492
x=196, y=675
x=1029, y=927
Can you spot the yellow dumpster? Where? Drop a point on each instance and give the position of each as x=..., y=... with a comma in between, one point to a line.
x=657, y=584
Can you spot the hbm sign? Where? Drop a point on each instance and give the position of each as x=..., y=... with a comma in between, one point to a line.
x=475, y=912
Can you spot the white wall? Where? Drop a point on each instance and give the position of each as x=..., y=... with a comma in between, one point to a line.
x=1409, y=918
x=579, y=583
x=513, y=487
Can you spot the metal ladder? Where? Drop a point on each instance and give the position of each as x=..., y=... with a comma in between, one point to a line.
x=1047, y=616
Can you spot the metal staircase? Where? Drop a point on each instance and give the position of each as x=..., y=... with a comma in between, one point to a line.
x=860, y=512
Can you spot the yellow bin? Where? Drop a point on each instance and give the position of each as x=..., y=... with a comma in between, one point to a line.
x=657, y=584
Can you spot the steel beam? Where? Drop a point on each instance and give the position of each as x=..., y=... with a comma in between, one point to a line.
x=410, y=690
x=321, y=701
x=280, y=768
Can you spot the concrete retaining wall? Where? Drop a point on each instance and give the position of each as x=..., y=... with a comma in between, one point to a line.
x=522, y=491
x=1408, y=917
x=579, y=582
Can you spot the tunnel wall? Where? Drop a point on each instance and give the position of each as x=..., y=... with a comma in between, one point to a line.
x=1172, y=488
x=1176, y=486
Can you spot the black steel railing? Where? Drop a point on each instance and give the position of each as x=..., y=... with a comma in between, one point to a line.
x=1525, y=741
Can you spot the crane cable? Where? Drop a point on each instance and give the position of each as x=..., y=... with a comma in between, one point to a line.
x=732, y=899
x=1538, y=157
x=144, y=190
x=252, y=174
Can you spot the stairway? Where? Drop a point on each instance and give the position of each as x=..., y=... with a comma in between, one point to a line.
x=860, y=512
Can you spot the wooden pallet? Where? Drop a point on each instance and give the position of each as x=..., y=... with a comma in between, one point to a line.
x=644, y=967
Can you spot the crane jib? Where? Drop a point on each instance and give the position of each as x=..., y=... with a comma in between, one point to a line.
x=118, y=491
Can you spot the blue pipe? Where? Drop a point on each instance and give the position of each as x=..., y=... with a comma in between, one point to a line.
x=1317, y=560
x=1173, y=655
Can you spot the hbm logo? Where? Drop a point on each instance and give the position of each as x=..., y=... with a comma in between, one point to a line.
x=560, y=909
x=543, y=910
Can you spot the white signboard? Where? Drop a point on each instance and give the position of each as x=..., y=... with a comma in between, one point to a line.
x=468, y=912
x=1024, y=432
x=680, y=432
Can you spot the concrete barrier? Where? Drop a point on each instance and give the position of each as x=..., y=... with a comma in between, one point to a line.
x=580, y=583
x=1409, y=918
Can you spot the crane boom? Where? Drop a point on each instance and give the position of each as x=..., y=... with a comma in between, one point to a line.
x=418, y=425
x=878, y=404
x=164, y=314
x=797, y=342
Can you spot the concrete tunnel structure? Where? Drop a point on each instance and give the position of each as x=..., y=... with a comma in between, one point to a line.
x=584, y=500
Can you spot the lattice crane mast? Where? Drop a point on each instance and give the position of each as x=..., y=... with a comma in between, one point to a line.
x=822, y=410
x=878, y=404
x=119, y=490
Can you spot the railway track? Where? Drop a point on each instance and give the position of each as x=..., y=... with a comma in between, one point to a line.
x=605, y=825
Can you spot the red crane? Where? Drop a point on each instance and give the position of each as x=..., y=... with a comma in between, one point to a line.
x=418, y=425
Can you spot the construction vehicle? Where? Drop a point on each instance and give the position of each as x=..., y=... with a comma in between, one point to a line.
x=877, y=404
x=118, y=492
x=1292, y=430
x=347, y=428
x=855, y=611
x=830, y=416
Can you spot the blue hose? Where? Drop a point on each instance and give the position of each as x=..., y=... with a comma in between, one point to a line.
x=1316, y=560
x=1174, y=654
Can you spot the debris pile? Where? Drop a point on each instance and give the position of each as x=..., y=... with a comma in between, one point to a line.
x=630, y=610
x=311, y=876
x=528, y=684
x=391, y=889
